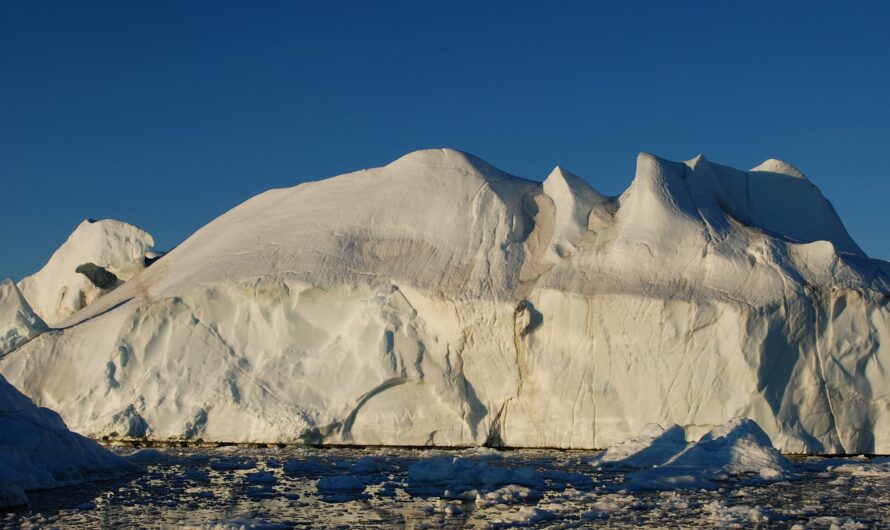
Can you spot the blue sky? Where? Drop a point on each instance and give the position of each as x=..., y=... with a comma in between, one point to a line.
x=167, y=114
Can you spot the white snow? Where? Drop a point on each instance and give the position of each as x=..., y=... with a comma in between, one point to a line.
x=38, y=452
x=440, y=301
x=57, y=290
x=18, y=322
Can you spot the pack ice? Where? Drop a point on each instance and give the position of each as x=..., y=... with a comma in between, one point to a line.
x=440, y=301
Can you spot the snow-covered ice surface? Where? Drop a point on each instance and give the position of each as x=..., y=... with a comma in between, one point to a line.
x=295, y=487
x=37, y=451
x=440, y=301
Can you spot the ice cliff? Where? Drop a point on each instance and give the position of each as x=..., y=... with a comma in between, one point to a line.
x=438, y=300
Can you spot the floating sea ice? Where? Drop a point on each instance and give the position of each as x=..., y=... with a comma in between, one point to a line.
x=388, y=489
x=559, y=479
x=365, y=465
x=453, y=510
x=457, y=473
x=525, y=516
x=198, y=459
x=147, y=454
x=341, y=488
x=233, y=463
x=298, y=466
x=878, y=467
x=196, y=474
x=261, y=477
x=340, y=483
x=832, y=523
x=604, y=506
x=719, y=515
x=511, y=494
x=238, y=524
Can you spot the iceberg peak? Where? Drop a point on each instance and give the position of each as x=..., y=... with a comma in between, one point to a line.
x=447, y=158
x=696, y=160
x=564, y=179
x=773, y=165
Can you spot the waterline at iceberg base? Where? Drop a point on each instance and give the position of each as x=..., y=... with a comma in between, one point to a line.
x=439, y=301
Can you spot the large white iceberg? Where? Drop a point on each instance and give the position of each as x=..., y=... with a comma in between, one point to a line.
x=38, y=452
x=440, y=301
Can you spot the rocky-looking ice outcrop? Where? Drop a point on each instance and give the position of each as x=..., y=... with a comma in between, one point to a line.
x=38, y=452
x=438, y=300
x=97, y=256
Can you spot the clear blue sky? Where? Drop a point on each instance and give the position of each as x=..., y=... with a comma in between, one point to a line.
x=166, y=114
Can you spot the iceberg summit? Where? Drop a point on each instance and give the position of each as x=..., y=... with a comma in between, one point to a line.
x=440, y=301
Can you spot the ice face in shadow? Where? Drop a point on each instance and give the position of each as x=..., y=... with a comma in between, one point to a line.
x=653, y=447
x=18, y=322
x=38, y=452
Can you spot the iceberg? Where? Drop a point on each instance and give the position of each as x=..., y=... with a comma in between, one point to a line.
x=661, y=459
x=38, y=452
x=438, y=301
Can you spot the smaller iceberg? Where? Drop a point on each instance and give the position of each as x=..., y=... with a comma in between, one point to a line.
x=38, y=452
x=662, y=459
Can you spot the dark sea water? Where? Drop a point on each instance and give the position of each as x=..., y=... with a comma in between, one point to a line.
x=292, y=487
